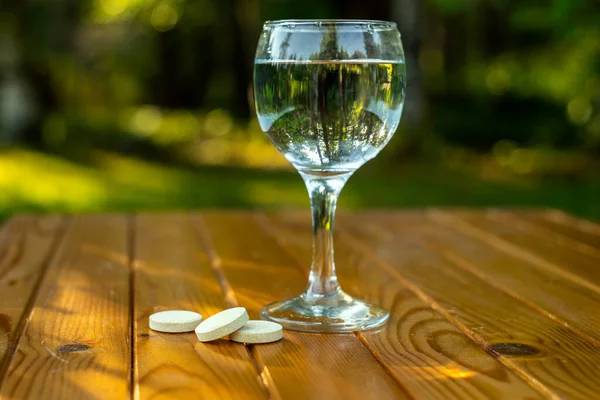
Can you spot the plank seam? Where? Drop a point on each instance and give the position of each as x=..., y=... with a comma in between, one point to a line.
x=231, y=300
x=383, y=365
x=568, y=220
x=269, y=228
x=263, y=373
x=5, y=230
x=133, y=377
x=216, y=263
x=4, y=244
x=15, y=339
x=528, y=227
x=532, y=381
x=509, y=248
x=472, y=269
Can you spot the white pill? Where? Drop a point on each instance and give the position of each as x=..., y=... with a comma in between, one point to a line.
x=175, y=321
x=222, y=324
x=258, y=332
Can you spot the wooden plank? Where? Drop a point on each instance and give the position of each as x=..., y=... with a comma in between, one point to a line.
x=26, y=246
x=547, y=235
x=302, y=366
x=548, y=355
x=581, y=230
x=507, y=235
x=549, y=293
x=431, y=357
x=76, y=343
x=172, y=272
x=563, y=227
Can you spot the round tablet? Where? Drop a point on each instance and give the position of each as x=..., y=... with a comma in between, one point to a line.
x=175, y=321
x=222, y=324
x=258, y=332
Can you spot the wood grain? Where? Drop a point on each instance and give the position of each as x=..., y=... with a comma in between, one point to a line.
x=545, y=353
x=541, y=289
x=567, y=231
x=76, y=343
x=172, y=272
x=431, y=357
x=26, y=246
x=545, y=251
x=581, y=230
x=302, y=366
x=560, y=224
x=496, y=304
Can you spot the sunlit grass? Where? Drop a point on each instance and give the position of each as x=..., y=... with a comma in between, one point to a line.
x=37, y=181
x=47, y=182
x=32, y=181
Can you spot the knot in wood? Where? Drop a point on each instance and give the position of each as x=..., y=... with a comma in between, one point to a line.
x=514, y=349
x=73, y=347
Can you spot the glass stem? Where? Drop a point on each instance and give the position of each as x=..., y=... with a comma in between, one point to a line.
x=323, y=191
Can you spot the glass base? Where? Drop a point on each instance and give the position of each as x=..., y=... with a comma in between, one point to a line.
x=334, y=313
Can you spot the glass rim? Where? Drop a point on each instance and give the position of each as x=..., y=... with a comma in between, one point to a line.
x=331, y=22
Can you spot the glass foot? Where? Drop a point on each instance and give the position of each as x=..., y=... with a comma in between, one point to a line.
x=333, y=313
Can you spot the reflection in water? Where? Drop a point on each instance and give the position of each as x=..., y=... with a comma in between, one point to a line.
x=329, y=115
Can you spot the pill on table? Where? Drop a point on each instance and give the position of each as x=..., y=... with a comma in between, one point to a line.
x=222, y=324
x=258, y=332
x=175, y=321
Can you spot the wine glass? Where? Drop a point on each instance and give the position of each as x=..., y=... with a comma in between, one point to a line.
x=329, y=95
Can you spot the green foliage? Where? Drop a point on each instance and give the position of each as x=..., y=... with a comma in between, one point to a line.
x=106, y=181
x=164, y=80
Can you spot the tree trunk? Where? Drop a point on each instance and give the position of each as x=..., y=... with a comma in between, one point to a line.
x=407, y=14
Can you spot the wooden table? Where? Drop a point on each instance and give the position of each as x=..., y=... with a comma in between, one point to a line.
x=485, y=305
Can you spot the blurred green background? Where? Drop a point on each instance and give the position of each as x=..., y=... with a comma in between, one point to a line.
x=145, y=105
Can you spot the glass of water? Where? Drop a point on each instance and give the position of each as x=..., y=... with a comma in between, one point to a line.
x=329, y=95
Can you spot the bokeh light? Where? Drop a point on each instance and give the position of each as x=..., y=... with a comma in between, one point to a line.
x=579, y=110
x=164, y=16
x=146, y=120
x=112, y=8
x=497, y=80
x=101, y=95
x=217, y=123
